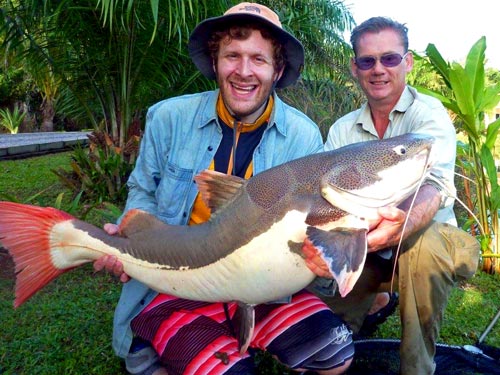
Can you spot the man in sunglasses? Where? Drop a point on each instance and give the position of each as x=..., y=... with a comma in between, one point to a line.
x=434, y=253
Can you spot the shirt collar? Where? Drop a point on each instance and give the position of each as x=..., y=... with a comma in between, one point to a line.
x=364, y=118
x=209, y=113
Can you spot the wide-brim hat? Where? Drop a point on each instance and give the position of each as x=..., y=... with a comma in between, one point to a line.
x=243, y=12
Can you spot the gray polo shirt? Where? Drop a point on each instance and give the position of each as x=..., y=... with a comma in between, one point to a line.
x=414, y=113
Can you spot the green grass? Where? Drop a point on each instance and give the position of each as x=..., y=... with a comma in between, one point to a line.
x=471, y=307
x=23, y=179
x=66, y=327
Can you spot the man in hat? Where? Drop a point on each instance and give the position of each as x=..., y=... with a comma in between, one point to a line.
x=242, y=128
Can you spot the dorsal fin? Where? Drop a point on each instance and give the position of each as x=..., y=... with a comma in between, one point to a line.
x=137, y=221
x=217, y=189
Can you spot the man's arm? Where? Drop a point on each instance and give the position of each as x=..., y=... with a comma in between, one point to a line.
x=391, y=228
x=142, y=186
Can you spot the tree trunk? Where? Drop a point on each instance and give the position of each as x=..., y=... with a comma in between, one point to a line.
x=48, y=113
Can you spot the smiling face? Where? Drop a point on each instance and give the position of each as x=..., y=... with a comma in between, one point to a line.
x=245, y=74
x=382, y=85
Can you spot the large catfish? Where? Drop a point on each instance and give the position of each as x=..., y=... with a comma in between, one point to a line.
x=250, y=251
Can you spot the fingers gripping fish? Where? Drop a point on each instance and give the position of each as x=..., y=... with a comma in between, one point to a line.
x=250, y=251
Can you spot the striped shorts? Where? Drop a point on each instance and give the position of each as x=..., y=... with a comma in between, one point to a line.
x=193, y=337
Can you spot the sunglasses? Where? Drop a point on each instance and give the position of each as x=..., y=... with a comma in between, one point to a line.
x=389, y=60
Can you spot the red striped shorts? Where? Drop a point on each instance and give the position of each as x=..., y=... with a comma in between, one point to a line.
x=194, y=337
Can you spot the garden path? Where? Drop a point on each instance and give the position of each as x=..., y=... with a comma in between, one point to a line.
x=15, y=146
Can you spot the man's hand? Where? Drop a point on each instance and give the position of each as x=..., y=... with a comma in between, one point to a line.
x=388, y=231
x=111, y=263
x=313, y=260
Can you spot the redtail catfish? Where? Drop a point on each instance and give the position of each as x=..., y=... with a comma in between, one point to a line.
x=250, y=250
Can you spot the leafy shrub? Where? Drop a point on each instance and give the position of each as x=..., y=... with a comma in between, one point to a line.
x=11, y=120
x=471, y=97
x=102, y=170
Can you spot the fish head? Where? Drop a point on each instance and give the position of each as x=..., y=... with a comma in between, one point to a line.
x=375, y=174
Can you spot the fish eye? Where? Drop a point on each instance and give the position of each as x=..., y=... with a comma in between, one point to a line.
x=400, y=150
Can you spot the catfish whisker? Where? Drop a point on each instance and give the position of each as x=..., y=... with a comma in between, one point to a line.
x=455, y=196
x=456, y=174
x=465, y=177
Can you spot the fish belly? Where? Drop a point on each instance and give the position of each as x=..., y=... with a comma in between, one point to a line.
x=263, y=270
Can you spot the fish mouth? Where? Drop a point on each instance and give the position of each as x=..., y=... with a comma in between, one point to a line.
x=390, y=187
x=367, y=206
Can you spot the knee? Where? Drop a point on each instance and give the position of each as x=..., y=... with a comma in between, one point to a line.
x=334, y=358
x=465, y=251
x=444, y=247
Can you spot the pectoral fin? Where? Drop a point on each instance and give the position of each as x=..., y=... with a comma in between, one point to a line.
x=344, y=252
x=244, y=324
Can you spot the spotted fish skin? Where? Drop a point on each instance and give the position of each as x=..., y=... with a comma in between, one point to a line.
x=250, y=250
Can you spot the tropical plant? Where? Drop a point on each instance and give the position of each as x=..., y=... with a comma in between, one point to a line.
x=326, y=52
x=424, y=75
x=49, y=89
x=320, y=100
x=101, y=67
x=470, y=98
x=109, y=60
x=102, y=171
x=14, y=84
x=320, y=26
x=11, y=120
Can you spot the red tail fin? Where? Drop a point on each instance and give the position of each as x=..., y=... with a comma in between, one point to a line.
x=24, y=232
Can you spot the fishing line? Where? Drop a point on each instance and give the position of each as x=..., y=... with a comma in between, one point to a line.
x=445, y=189
x=407, y=218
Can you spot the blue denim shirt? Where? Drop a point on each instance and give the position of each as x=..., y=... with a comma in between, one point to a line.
x=181, y=137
